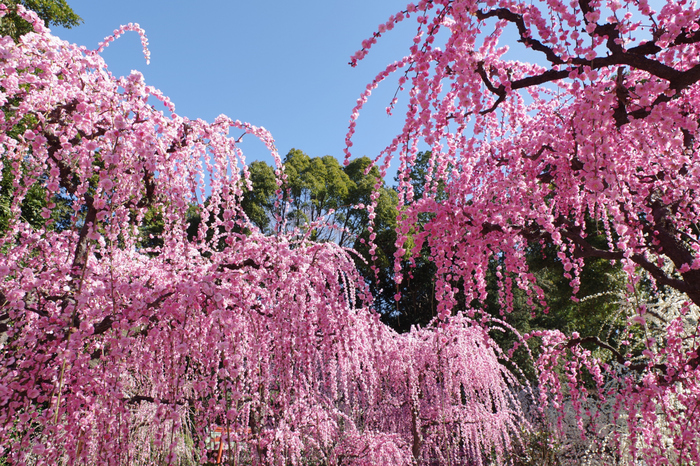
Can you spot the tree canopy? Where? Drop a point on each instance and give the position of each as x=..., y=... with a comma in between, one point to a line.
x=597, y=138
x=118, y=350
x=319, y=197
x=53, y=12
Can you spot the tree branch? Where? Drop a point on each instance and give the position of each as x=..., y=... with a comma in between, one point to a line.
x=517, y=19
x=635, y=57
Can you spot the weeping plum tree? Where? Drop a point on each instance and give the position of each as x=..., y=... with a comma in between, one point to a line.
x=115, y=350
x=598, y=130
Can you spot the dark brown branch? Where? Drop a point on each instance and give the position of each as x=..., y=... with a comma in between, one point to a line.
x=618, y=356
x=546, y=77
x=622, y=94
x=182, y=142
x=4, y=317
x=610, y=31
x=149, y=182
x=81, y=249
x=667, y=244
x=635, y=57
x=597, y=341
x=685, y=37
x=103, y=326
x=585, y=9
x=500, y=91
x=585, y=249
x=517, y=19
x=139, y=398
x=690, y=364
x=39, y=312
x=246, y=263
x=538, y=153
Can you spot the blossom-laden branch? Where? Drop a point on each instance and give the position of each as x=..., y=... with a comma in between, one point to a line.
x=117, y=347
x=617, y=55
x=583, y=140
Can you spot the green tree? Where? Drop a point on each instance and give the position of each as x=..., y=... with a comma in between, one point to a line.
x=258, y=203
x=52, y=12
x=363, y=184
x=31, y=207
x=317, y=191
x=318, y=199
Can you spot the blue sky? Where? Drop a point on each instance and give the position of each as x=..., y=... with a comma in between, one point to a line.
x=277, y=64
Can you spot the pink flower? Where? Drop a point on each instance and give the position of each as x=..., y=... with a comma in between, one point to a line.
x=595, y=184
x=638, y=319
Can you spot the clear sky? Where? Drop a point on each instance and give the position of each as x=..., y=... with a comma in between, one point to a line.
x=278, y=64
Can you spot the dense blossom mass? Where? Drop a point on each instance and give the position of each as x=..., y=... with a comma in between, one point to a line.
x=123, y=347
x=595, y=136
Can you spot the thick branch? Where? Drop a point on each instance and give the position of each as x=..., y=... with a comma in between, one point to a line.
x=81, y=249
x=139, y=398
x=618, y=356
x=246, y=263
x=585, y=249
x=4, y=317
x=537, y=154
x=105, y=324
x=636, y=57
x=517, y=19
x=685, y=37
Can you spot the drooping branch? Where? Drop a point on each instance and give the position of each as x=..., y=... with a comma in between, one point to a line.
x=668, y=245
x=666, y=378
x=688, y=286
x=601, y=344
